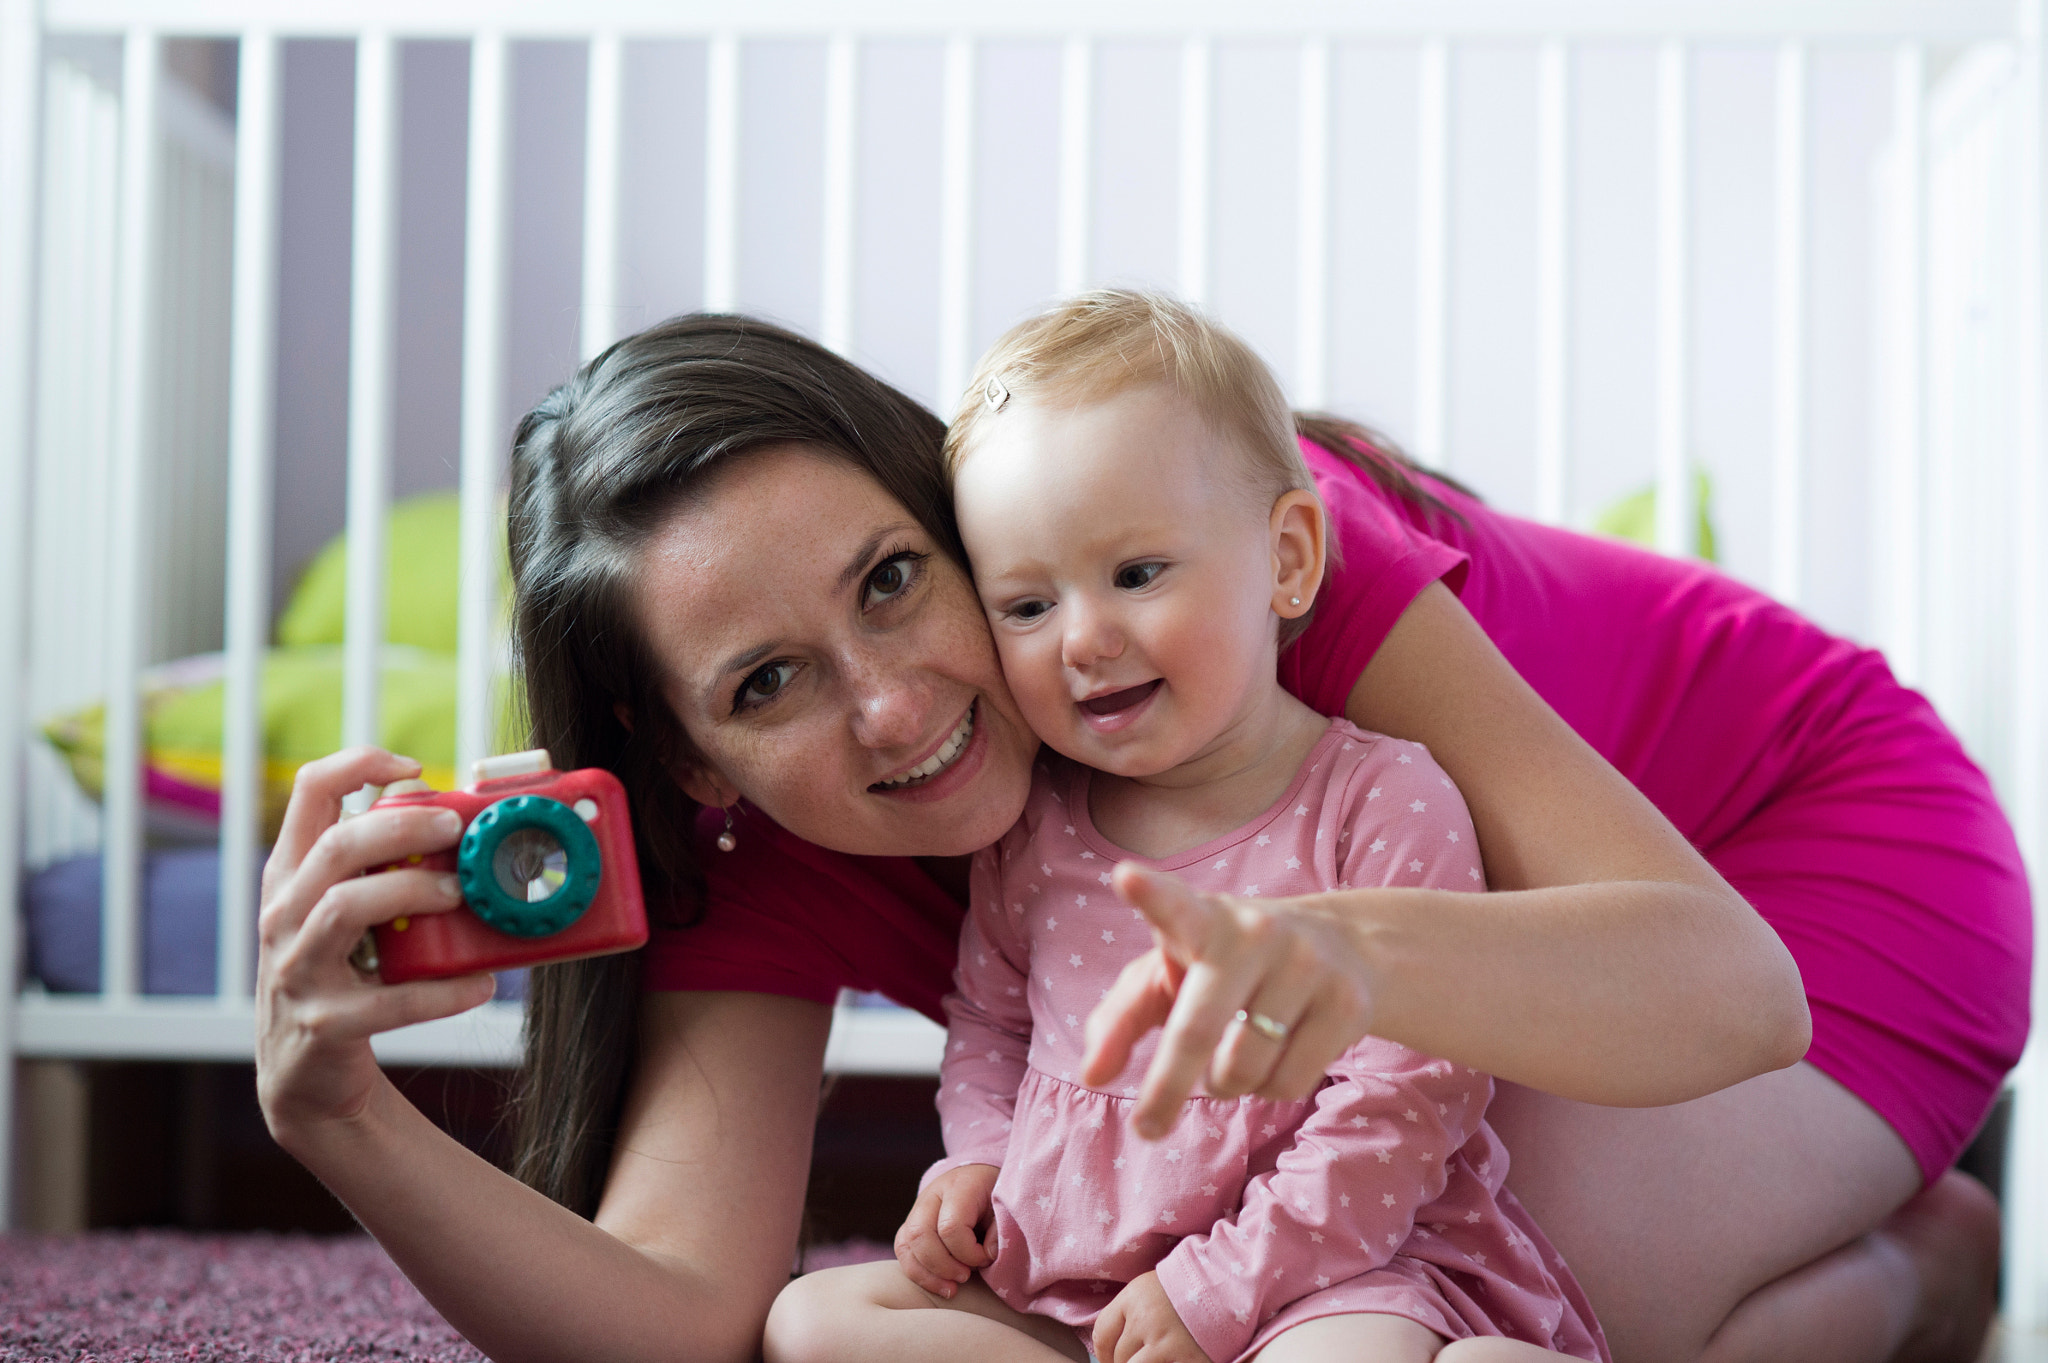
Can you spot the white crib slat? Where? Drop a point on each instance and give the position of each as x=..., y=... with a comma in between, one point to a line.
x=1553, y=280
x=483, y=365
x=252, y=369
x=1077, y=145
x=1677, y=519
x=1905, y=423
x=2026, y=1240
x=604, y=99
x=1432, y=249
x=1197, y=122
x=372, y=268
x=956, y=223
x=1312, y=249
x=128, y=558
x=20, y=60
x=842, y=111
x=1788, y=463
x=721, y=172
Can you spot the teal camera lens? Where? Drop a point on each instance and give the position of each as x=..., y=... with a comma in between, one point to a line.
x=529, y=866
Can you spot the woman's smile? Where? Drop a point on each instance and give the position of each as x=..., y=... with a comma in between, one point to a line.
x=830, y=664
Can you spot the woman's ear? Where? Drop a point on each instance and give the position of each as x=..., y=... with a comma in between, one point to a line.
x=1298, y=552
x=706, y=787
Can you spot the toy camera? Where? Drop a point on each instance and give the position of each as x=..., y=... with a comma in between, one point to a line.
x=547, y=870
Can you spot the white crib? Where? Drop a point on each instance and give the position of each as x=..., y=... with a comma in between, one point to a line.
x=915, y=174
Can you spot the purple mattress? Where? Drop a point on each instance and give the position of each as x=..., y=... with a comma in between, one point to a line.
x=180, y=924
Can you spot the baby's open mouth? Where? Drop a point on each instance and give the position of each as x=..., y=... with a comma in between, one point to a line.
x=949, y=751
x=1121, y=700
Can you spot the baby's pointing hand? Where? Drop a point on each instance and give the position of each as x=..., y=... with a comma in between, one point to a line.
x=940, y=1244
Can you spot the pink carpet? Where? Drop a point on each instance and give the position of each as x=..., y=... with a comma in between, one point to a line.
x=130, y=1296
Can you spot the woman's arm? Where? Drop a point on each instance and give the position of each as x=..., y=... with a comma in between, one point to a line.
x=698, y=1223
x=1611, y=965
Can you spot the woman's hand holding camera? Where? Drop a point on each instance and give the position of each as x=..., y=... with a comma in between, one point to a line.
x=315, y=1010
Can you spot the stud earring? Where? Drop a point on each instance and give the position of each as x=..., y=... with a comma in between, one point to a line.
x=726, y=841
x=1294, y=601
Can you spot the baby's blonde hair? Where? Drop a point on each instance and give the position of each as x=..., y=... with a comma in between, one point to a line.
x=1098, y=344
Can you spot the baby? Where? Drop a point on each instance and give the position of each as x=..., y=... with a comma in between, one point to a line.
x=1145, y=539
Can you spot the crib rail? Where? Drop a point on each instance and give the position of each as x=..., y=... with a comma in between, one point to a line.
x=122, y=1021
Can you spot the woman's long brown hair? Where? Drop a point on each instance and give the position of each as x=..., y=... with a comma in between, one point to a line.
x=597, y=469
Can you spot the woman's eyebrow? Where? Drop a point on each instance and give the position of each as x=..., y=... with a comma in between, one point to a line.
x=866, y=553
x=743, y=662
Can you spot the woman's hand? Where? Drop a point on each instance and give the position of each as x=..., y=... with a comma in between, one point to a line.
x=1213, y=956
x=1140, y=1326
x=941, y=1244
x=315, y=1012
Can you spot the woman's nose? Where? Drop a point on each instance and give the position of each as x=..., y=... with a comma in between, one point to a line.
x=891, y=708
x=1091, y=636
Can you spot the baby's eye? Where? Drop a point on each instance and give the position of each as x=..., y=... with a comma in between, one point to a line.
x=1132, y=576
x=763, y=683
x=1029, y=610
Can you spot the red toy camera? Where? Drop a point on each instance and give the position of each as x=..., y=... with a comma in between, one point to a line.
x=547, y=870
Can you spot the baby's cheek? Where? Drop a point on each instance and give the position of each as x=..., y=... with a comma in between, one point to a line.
x=1032, y=670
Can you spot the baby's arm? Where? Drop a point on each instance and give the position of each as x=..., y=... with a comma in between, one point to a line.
x=1342, y=1199
x=987, y=1041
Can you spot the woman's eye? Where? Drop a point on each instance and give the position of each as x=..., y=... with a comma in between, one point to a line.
x=763, y=683
x=1132, y=576
x=892, y=578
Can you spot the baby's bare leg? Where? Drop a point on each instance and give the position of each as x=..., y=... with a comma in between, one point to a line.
x=871, y=1311
x=1390, y=1339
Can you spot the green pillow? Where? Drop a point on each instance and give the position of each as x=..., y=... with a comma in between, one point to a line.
x=1634, y=517
x=424, y=541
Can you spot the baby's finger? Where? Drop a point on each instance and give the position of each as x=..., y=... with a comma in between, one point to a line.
x=958, y=1216
x=318, y=790
x=1109, y=1327
x=1140, y=1000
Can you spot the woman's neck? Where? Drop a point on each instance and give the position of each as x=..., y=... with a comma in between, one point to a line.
x=1228, y=784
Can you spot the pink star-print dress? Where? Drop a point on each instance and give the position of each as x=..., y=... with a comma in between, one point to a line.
x=1382, y=1193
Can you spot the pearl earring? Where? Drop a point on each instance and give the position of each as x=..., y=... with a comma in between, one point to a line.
x=1294, y=601
x=726, y=841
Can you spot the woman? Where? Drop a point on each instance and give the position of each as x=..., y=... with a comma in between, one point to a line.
x=737, y=578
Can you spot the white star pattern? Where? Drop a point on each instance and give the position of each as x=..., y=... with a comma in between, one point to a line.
x=1091, y=1127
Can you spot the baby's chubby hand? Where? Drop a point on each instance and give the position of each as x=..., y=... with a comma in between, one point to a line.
x=1140, y=1324
x=941, y=1242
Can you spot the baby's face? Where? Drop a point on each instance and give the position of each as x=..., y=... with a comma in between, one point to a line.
x=1128, y=574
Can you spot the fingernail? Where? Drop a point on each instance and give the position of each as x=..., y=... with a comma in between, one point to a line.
x=447, y=822
x=449, y=886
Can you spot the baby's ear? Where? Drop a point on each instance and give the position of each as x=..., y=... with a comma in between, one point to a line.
x=1299, y=552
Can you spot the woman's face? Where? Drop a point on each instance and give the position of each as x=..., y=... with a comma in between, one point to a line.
x=831, y=664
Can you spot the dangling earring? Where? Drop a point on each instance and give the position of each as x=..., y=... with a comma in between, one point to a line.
x=726, y=841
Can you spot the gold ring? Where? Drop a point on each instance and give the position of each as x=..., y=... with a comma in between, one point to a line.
x=1263, y=1025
